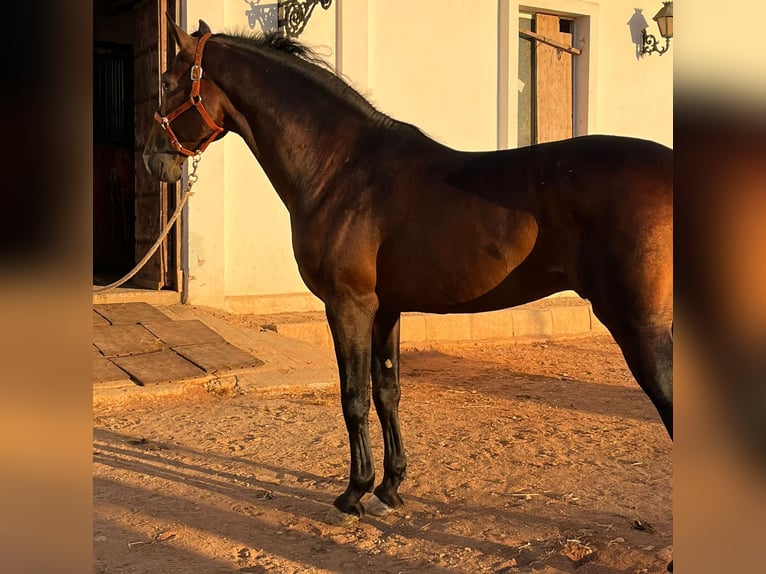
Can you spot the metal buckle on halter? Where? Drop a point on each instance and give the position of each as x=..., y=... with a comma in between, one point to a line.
x=195, y=73
x=162, y=120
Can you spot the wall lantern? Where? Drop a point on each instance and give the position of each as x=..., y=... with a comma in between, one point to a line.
x=664, y=19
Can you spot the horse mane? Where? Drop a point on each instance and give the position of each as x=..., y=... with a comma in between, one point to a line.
x=318, y=68
x=277, y=41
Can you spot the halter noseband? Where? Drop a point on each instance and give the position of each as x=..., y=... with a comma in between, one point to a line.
x=195, y=101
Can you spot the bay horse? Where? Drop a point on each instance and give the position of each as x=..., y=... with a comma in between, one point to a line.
x=386, y=220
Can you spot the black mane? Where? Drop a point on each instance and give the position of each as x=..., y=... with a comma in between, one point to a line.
x=276, y=41
x=318, y=68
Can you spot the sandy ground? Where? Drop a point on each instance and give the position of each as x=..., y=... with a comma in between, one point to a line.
x=537, y=457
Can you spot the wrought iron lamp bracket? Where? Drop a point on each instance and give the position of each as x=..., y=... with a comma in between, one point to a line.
x=651, y=43
x=291, y=15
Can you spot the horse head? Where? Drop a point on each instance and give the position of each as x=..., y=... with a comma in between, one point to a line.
x=191, y=111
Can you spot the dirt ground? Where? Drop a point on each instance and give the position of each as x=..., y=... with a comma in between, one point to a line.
x=537, y=457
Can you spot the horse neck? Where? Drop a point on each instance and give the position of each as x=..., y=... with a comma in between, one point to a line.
x=300, y=131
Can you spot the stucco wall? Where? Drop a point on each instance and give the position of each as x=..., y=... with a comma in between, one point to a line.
x=635, y=96
x=434, y=64
x=447, y=66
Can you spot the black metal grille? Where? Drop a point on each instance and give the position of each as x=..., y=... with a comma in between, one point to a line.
x=113, y=94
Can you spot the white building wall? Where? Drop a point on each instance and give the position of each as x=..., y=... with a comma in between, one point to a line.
x=447, y=66
x=635, y=95
x=434, y=64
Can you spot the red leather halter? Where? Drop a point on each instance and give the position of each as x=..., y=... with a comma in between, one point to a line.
x=195, y=101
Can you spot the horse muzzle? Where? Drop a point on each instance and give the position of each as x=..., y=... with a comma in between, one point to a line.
x=164, y=166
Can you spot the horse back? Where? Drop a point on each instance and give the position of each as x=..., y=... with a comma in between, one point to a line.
x=434, y=229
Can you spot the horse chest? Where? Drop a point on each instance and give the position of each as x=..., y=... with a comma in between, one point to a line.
x=336, y=252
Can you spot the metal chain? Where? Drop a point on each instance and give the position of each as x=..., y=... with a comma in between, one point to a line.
x=190, y=181
x=192, y=178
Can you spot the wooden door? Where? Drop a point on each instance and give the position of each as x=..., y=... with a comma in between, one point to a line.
x=154, y=200
x=553, y=80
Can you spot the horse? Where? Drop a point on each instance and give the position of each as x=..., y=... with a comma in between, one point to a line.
x=386, y=220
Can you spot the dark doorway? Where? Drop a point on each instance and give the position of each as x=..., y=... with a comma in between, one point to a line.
x=130, y=50
x=113, y=159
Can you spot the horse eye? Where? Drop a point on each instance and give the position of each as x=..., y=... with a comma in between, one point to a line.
x=165, y=85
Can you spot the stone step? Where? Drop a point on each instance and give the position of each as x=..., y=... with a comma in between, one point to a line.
x=547, y=319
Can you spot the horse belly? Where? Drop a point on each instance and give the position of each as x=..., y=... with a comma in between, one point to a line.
x=465, y=272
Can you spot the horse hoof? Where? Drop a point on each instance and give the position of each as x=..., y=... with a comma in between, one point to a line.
x=337, y=518
x=377, y=507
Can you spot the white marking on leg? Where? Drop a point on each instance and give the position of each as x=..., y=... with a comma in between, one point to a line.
x=377, y=507
x=389, y=364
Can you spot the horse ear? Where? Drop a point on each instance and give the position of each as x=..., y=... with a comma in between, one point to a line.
x=204, y=28
x=183, y=40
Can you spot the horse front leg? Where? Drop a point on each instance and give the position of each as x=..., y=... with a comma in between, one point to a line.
x=351, y=327
x=386, y=392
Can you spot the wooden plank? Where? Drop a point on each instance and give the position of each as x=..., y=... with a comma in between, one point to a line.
x=119, y=340
x=129, y=313
x=540, y=38
x=172, y=269
x=554, y=82
x=160, y=367
x=218, y=357
x=150, y=194
x=175, y=241
x=179, y=333
x=526, y=117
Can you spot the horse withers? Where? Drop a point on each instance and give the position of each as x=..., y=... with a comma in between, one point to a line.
x=386, y=220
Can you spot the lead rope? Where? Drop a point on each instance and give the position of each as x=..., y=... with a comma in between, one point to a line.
x=191, y=180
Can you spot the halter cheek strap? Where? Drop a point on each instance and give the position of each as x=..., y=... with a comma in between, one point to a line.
x=194, y=101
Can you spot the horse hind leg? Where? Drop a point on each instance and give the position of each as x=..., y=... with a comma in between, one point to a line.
x=386, y=392
x=647, y=346
x=648, y=351
x=632, y=295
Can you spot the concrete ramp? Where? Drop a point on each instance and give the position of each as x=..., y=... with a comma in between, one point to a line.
x=140, y=348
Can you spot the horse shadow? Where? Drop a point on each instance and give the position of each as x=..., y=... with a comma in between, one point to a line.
x=250, y=497
x=560, y=391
